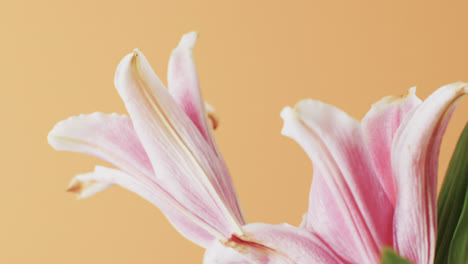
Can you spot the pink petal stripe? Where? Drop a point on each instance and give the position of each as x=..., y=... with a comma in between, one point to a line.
x=415, y=154
x=272, y=244
x=184, y=87
x=185, y=164
x=113, y=139
x=379, y=126
x=348, y=208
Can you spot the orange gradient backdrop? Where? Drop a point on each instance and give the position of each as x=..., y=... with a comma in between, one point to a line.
x=254, y=57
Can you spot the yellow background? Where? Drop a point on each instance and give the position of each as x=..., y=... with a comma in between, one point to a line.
x=254, y=57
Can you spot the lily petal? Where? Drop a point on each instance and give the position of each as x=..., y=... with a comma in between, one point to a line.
x=272, y=244
x=111, y=137
x=340, y=210
x=379, y=127
x=185, y=164
x=415, y=153
x=184, y=87
x=88, y=184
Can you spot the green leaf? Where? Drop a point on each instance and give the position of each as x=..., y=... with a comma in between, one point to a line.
x=458, y=252
x=391, y=257
x=452, y=208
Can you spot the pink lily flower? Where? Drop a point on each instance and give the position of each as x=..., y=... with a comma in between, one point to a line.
x=374, y=181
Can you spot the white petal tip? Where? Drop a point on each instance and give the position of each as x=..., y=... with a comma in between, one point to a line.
x=457, y=87
x=188, y=40
x=287, y=114
x=51, y=138
x=132, y=68
x=58, y=132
